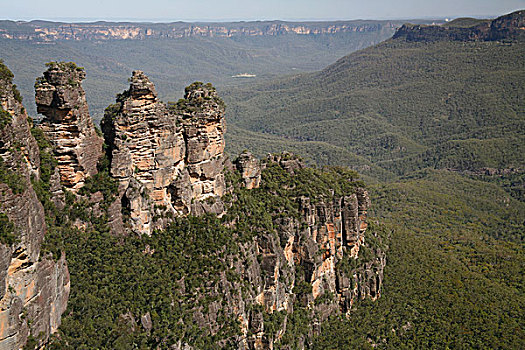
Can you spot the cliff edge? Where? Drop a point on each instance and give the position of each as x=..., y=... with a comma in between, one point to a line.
x=34, y=286
x=510, y=27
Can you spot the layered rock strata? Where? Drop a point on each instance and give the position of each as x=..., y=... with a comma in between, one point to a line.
x=49, y=31
x=167, y=160
x=201, y=114
x=67, y=123
x=34, y=288
x=336, y=227
x=250, y=169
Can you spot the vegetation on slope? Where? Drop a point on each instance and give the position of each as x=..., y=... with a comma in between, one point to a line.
x=116, y=281
x=449, y=283
x=455, y=268
x=402, y=106
x=454, y=277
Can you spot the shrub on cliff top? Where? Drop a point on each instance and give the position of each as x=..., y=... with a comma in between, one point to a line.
x=5, y=73
x=7, y=230
x=64, y=65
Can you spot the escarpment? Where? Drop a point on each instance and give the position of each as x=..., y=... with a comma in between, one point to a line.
x=509, y=27
x=53, y=31
x=167, y=160
x=67, y=124
x=34, y=288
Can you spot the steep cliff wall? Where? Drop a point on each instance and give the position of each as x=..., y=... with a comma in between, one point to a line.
x=305, y=253
x=293, y=243
x=49, y=31
x=201, y=113
x=313, y=261
x=34, y=288
x=167, y=160
x=67, y=124
x=508, y=27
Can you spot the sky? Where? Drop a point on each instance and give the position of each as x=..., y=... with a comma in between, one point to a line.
x=228, y=10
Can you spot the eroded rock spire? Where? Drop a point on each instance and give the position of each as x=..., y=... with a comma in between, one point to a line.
x=167, y=160
x=67, y=124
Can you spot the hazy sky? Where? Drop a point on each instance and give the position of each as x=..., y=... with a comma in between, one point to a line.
x=173, y=10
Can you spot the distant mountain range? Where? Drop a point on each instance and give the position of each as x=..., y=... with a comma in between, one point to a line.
x=51, y=31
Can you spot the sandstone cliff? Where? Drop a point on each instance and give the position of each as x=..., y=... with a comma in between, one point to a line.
x=50, y=31
x=505, y=28
x=312, y=262
x=167, y=160
x=308, y=264
x=34, y=288
x=250, y=169
x=67, y=124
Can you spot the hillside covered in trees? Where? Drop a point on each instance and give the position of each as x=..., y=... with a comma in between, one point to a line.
x=399, y=106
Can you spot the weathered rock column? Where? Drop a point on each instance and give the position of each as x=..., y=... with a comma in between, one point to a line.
x=202, y=115
x=167, y=160
x=67, y=123
x=146, y=150
x=250, y=169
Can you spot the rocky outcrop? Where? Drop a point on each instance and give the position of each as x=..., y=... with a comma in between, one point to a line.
x=327, y=232
x=67, y=124
x=49, y=31
x=250, y=169
x=34, y=288
x=167, y=160
x=317, y=260
x=299, y=241
x=511, y=26
x=146, y=149
x=504, y=28
x=201, y=114
x=287, y=161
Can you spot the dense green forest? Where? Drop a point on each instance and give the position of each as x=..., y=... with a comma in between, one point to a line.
x=401, y=106
x=174, y=273
x=454, y=276
x=423, y=121
x=455, y=272
x=437, y=129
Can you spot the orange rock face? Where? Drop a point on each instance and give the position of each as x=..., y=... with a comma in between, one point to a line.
x=304, y=261
x=167, y=160
x=67, y=124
